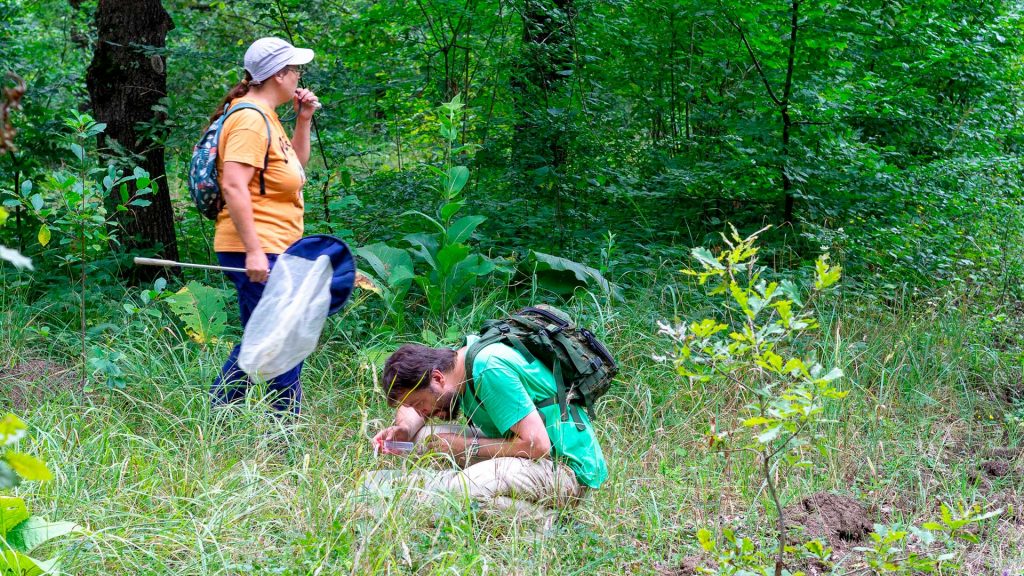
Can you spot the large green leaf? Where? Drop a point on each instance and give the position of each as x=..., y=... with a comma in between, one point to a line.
x=13, y=511
x=563, y=276
x=393, y=265
x=14, y=563
x=463, y=228
x=451, y=255
x=202, y=309
x=433, y=221
x=425, y=246
x=450, y=209
x=455, y=180
x=28, y=535
x=466, y=272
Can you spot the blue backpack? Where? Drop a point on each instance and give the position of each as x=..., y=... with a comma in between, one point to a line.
x=203, y=185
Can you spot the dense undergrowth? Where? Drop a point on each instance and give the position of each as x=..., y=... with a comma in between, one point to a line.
x=165, y=487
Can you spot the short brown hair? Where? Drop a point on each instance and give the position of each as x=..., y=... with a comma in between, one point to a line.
x=410, y=366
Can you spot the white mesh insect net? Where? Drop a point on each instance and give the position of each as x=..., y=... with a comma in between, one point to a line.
x=286, y=324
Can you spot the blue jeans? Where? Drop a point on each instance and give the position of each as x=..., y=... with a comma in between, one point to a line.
x=232, y=383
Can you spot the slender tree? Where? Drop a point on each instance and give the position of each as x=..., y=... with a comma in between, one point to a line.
x=543, y=65
x=781, y=100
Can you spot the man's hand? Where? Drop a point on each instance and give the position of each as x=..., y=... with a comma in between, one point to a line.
x=391, y=433
x=453, y=444
x=458, y=446
x=407, y=424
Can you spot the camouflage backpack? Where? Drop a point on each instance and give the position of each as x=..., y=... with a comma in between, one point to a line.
x=582, y=366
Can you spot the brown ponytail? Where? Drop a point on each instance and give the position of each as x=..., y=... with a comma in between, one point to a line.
x=239, y=90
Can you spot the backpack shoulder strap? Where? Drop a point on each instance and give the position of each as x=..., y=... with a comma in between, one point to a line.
x=489, y=336
x=266, y=156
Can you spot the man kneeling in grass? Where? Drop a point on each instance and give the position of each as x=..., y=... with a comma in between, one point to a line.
x=517, y=451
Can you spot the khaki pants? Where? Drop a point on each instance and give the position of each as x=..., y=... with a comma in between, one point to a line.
x=533, y=488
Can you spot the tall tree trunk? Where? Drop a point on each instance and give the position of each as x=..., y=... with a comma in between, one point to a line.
x=787, y=121
x=124, y=84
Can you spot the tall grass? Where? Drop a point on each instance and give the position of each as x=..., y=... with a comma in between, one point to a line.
x=167, y=486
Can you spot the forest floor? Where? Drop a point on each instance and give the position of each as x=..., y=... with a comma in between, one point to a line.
x=935, y=416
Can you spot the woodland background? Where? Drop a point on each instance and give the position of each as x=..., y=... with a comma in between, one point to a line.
x=591, y=146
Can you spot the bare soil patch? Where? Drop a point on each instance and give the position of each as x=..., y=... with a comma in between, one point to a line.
x=996, y=468
x=840, y=520
x=33, y=381
x=687, y=567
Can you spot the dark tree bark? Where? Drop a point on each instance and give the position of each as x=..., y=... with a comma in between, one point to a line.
x=124, y=84
x=787, y=121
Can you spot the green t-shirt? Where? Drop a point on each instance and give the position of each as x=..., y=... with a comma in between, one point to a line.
x=509, y=387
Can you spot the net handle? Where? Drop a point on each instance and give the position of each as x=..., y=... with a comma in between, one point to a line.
x=169, y=263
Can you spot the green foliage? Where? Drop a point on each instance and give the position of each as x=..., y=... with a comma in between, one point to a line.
x=104, y=365
x=911, y=550
x=73, y=203
x=563, y=276
x=736, y=555
x=202, y=310
x=20, y=532
x=71, y=207
x=394, y=267
x=449, y=268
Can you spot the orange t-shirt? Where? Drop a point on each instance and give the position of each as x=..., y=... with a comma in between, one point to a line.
x=278, y=214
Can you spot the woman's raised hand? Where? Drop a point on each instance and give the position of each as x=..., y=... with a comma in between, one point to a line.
x=306, y=103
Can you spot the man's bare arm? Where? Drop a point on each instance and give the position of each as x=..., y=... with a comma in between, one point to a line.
x=530, y=441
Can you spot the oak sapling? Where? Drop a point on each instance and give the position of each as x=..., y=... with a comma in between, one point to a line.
x=751, y=347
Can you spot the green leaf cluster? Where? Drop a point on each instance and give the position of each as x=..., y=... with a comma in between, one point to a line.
x=17, y=466
x=20, y=532
x=905, y=550
x=440, y=260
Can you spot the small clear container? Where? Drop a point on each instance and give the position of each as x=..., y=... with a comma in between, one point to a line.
x=398, y=447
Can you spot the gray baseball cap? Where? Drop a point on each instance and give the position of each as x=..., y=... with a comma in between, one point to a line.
x=266, y=56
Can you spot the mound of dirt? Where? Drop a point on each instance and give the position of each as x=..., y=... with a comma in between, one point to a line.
x=31, y=382
x=996, y=468
x=686, y=567
x=838, y=519
x=1002, y=462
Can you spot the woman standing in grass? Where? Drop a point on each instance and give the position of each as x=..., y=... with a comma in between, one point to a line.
x=261, y=177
